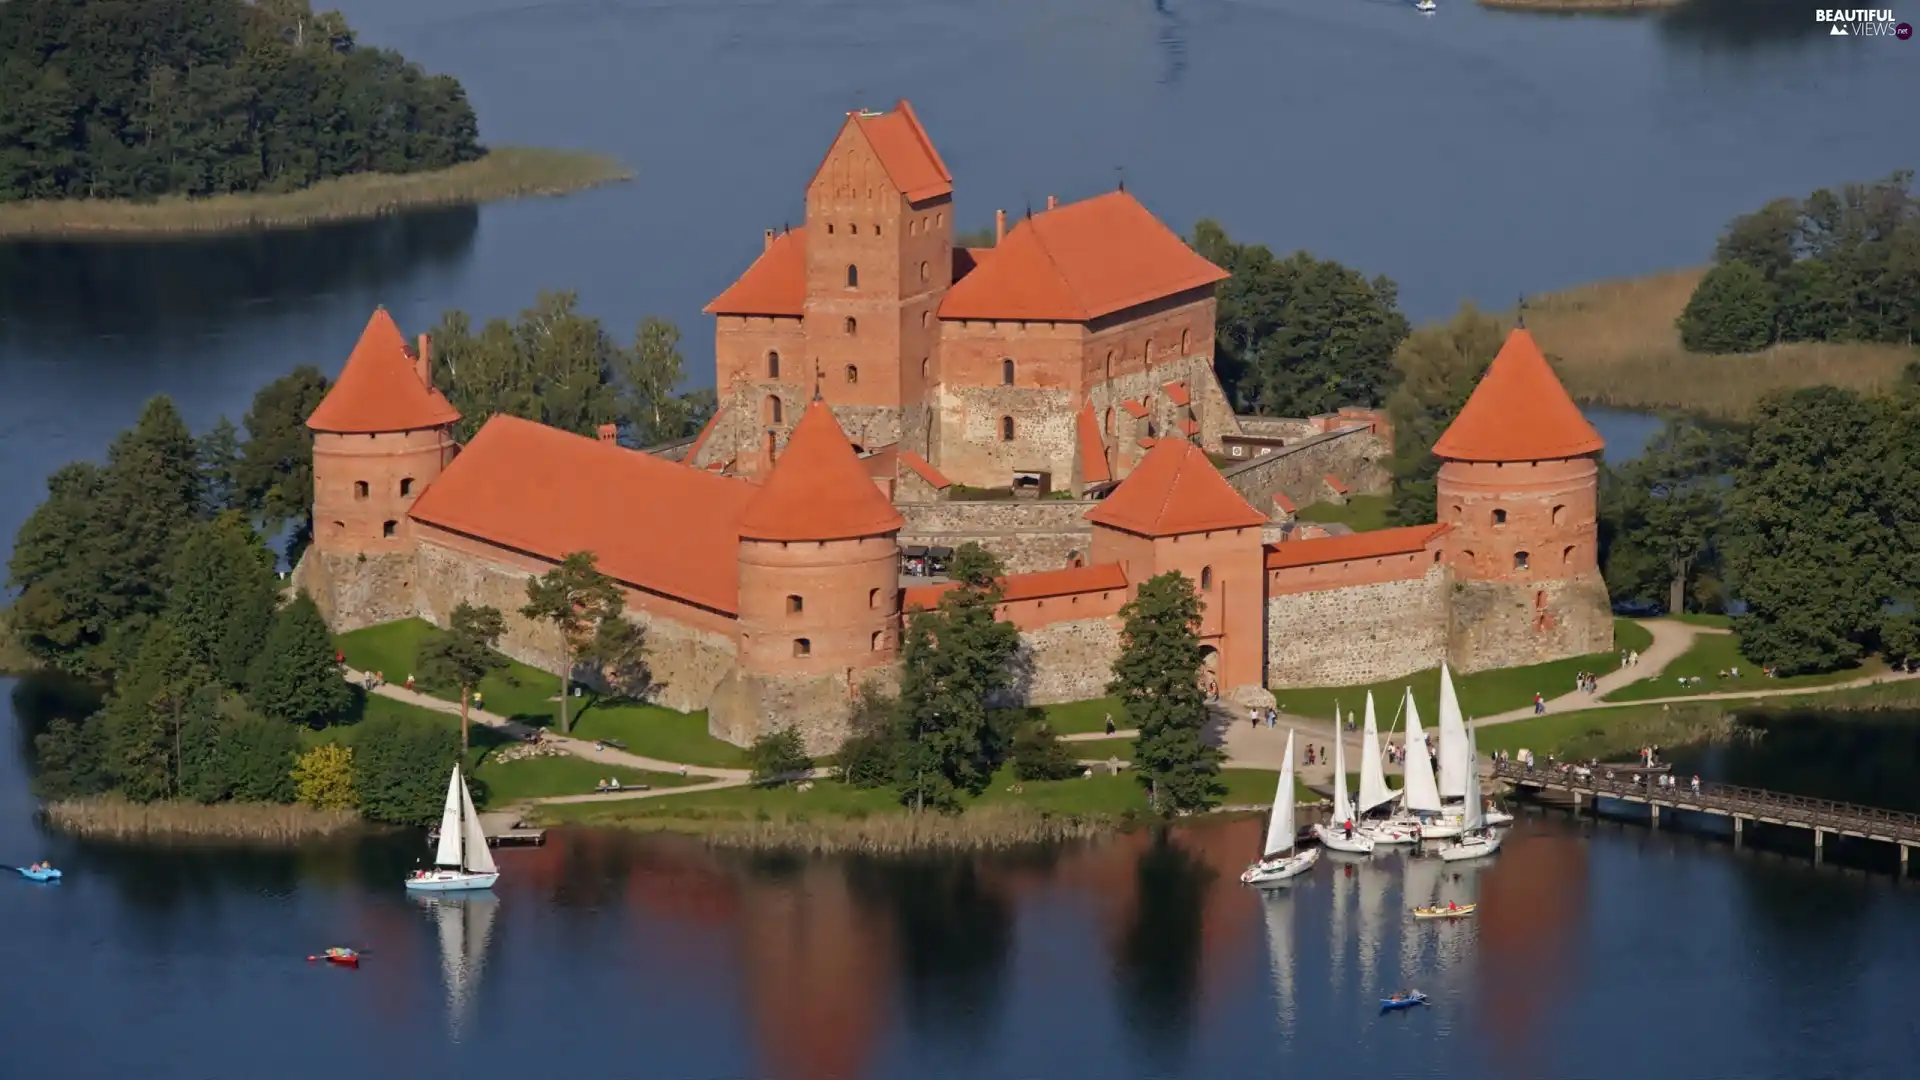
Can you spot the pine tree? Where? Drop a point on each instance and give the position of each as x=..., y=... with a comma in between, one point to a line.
x=223, y=596
x=150, y=494
x=576, y=598
x=1157, y=675
x=955, y=665
x=61, y=615
x=295, y=677
x=463, y=654
x=162, y=693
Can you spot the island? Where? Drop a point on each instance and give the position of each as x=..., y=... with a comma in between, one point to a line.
x=154, y=117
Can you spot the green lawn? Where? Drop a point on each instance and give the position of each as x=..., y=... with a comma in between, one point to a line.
x=1718, y=622
x=1102, y=749
x=1086, y=717
x=520, y=692
x=1607, y=734
x=656, y=732
x=1481, y=694
x=1362, y=513
x=533, y=778
x=1712, y=654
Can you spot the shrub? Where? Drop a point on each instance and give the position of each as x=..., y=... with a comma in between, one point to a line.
x=871, y=751
x=401, y=765
x=779, y=756
x=1733, y=310
x=1038, y=753
x=324, y=778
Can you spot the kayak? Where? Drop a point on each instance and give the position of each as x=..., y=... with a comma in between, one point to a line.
x=48, y=874
x=343, y=957
x=1390, y=1004
x=1460, y=912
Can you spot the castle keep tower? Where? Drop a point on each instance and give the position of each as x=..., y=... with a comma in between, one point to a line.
x=1519, y=486
x=819, y=591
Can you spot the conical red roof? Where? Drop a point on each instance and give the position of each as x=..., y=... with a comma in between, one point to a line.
x=818, y=490
x=1175, y=490
x=1519, y=412
x=379, y=390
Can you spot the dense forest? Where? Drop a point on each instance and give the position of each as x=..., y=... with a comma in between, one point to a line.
x=142, y=98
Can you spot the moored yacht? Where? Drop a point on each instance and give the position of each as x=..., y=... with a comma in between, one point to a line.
x=1281, y=858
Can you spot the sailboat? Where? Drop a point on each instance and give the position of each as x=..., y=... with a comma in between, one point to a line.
x=1280, y=861
x=1374, y=791
x=466, y=925
x=1340, y=834
x=1477, y=840
x=1427, y=7
x=1423, y=793
x=462, y=860
x=1453, y=742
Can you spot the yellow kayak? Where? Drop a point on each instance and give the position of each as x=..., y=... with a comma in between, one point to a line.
x=1460, y=912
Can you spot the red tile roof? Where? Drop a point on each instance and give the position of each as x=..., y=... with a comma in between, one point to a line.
x=550, y=493
x=1173, y=491
x=934, y=477
x=1134, y=408
x=1039, y=585
x=818, y=489
x=1367, y=545
x=1334, y=483
x=1177, y=393
x=904, y=150
x=776, y=283
x=1280, y=500
x=1519, y=412
x=379, y=390
x=1093, y=451
x=1079, y=262
x=1190, y=426
x=882, y=464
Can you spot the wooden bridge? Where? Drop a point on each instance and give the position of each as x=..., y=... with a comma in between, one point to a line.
x=1740, y=804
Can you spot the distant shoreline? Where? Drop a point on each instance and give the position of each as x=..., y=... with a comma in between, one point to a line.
x=1580, y=5
x=504, y=173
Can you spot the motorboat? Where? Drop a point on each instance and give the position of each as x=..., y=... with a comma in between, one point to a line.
x=1402, y=1001
x=462, y=860
x=1341, y=833
x=1495, y=816
x=1282, y=859
x=1456, y=911
x=1477, y=839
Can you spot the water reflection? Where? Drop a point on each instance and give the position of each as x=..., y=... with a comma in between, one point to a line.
x=953, y=928
x=1532, y=906
x=1173, y=42
x=1742, y=25
x=465, y=925
x=1157, y=959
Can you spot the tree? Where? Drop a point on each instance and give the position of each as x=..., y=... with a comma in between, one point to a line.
x=275, y=471
x=463, y=654
x=778, y=756
x=1157, y=676
x=162, y=694
x=1662, y=512
x=1300, y=336
x=955, y=666
x=652, y=370
x=618, y=653
x=61, y=615
x=68, y=761
x=554, y=365
x=575, y=598
x=868, y=757
x=1438, y=368
x=149, y=494
x=295, y=678
x=220, y=468
x=1732, y=310
x=223, y=596
x=260, y=756
x=400, y=767
x=1038, y=753
x=323, y=778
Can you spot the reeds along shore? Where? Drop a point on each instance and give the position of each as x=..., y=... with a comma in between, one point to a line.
x=109, y=818
x=985, y=829
x=1615, y=343
x=1581, y=5
x=504, y=173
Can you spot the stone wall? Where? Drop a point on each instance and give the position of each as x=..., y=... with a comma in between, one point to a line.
x=1067, y=661
x=1027, y=534
x=1499, y=624
x=355, y=591
x=1290, y=428
x=1355, y=455
x=818, y=706
x=1358, y=633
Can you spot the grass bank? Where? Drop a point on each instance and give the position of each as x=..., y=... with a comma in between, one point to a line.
x=1615, y=343
x=1581, y=5
x=1361, y=513
x=110, y=818
x=1713, y=659
x=510, y=779
x=505, y=172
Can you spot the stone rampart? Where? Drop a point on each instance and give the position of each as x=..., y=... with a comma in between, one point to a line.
x=355, y=591
x=1071, y=660
x=1361, y=633
x=1027, y=534
x=1499, y=624
x=1355, y=455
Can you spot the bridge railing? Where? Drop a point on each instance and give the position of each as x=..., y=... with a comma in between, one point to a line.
x=1731, y=798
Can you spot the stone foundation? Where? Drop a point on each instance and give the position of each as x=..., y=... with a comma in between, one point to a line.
x=745, y=707
x=1516, y=623
x=1027, y=535
x=1067, y=661
x=1357, y=634
x=356, y=591
x=1355, y=455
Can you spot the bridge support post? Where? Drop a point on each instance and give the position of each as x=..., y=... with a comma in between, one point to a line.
x=1903, y=860
x=1576, y=804
x=1739, y=830
x=1819, y=844
x=1655, y=816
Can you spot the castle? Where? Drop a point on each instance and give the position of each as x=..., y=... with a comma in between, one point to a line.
x=874, y=382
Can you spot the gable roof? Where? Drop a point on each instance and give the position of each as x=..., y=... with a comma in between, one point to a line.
x=775, y=284
x=1518, y=412
x=818, y=489
x=550, y=493
x=905, y=152
x=1173, y=491
x=1037, y=585
x=1079, y=262
x=1093, y=450
x=1367, y=545
x=380, y=390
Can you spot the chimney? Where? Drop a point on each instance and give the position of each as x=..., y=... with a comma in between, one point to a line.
x=1053, y=202
x=999, y=226
x=769, y=246
x=609, y=433
x=423, y=360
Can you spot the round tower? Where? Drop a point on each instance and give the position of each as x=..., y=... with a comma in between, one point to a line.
x=1519, y=486
x=380, y=436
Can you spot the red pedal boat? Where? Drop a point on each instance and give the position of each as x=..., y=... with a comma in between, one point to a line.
x=343, y=957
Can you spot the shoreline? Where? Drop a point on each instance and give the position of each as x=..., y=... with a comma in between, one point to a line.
x=1574, y=7
x=107, y=817
x=507, y=172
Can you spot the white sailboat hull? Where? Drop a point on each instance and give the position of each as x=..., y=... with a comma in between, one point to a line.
x=1471, y=847
x=1394, y=832
x=441, y=880
x=1334, y=838
x=1276, y=869
x=1499, y=817
x=1442, y=829
x=1428, y=6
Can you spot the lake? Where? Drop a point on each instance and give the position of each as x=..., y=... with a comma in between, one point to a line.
x=1602, y=949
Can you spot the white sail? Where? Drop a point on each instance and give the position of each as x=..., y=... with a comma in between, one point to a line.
x=1342, y=809
x=1280, y=828
x=1373, y=781
x=448, y=853
x=1474, y=816
x=479, y=858
x=1454, y=757
x=1422, y=793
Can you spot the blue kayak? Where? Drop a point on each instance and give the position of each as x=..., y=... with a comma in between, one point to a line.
x=38, y=875
x=1390, y=1004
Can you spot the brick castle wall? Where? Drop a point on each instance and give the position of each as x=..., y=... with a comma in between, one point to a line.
x=1070, y=660
x=1027, y=534
x=1346, y=635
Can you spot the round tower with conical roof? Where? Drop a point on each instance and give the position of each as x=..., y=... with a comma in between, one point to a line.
x=819, y=563
x=1519, y=486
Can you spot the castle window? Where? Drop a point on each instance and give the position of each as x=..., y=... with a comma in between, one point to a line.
x=795, y=605
x=773, y=409
x=773, y=365
x=852, y=326
x=853, y=227
x=853, y=373
x=406, y=485
x=1456, y=511
x=938, y=218
x=829, y=228
x=926, y=317
x=876, y=229
x=802, y=647
x=1109, y=363
x=876, y=641
x=1206, y=577
x=1436, y=556
x=339, y=528
x=1566, y=554
x=853, y=276
x=1519, y=560
x=1147, y=353
x=873, y=598
x=1006, y=372
x=1540, y=599
x=1006, y=429
x=1499, y=517
x=1186, y=341
x=1113, y=428
x=389, y=528
x=926, y=275
x=926, y=367
x=360, y=489
x=1560, y=515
